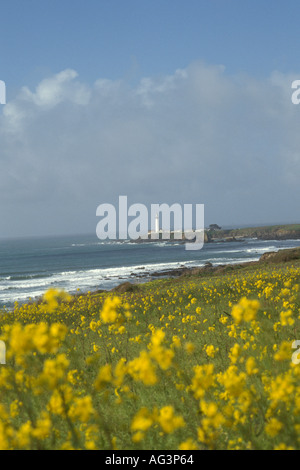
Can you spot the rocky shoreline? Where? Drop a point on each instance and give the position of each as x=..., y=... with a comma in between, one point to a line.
x=175, y=273
x=271, y=257
x=280, y=256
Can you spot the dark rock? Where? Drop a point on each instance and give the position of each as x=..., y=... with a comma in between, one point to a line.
x=281, y=256
x=124, y=287
x=267, y=256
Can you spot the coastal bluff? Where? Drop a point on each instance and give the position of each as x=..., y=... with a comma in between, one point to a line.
x=268, y=232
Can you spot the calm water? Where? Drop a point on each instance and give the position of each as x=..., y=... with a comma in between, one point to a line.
x=28, y=267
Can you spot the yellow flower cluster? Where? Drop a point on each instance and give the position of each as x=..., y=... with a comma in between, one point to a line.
x=245, y=310
x=24, y=340
x=53, y=297
x=165, y=417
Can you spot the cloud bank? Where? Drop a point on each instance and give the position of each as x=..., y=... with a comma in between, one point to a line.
x=197, y=136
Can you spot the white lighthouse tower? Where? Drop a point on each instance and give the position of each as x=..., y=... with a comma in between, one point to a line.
x=157, y=223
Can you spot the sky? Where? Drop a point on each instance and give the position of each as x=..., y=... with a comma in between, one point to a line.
x=169, y=101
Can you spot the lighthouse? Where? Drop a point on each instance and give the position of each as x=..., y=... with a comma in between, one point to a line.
x=157, y=223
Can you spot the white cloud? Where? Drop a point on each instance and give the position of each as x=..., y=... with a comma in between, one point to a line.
x=62, y=87
x=199, y=135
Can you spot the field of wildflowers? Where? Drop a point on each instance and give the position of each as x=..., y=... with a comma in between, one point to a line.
x=194, y=363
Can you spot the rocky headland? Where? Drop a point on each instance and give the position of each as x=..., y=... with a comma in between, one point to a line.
x=272, y=232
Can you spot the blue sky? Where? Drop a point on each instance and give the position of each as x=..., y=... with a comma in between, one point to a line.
x=134, y=38
x=163, y=101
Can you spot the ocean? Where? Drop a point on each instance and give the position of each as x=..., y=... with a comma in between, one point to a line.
x=28, y=267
